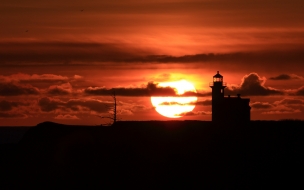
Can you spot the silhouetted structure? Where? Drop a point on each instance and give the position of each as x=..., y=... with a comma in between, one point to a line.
x=114, y=117
x=227, y=109
x=154, y=155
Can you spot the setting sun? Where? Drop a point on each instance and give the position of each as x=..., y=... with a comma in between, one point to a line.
x=175, y=107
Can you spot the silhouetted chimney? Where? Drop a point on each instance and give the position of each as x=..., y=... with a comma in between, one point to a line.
x=239, y=95
x=228, y=96
x=218, y=72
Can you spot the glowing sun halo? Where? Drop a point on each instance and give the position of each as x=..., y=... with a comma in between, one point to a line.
x=175, y=107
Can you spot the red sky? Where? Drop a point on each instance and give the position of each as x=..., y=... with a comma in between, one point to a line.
x=52, y=54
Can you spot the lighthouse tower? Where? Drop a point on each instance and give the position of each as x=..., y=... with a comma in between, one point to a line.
x=218, y=87
x=228, y=109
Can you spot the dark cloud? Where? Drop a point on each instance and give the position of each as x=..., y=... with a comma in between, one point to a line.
x=300, y=91
x=284, y=106
x=34, y=78
x=296, y=92
x=189, y=93
x=269, y=57
x=134, y=107
x=282, y=110
x=290, y=101
x=169, y=103
x=204, y=102
x=155, y=90
x=63, y=89
x=15, y=89
x=42, y=81
x=252, y=84
x=237, y=58
x=12, y=115
x=67, y=116
x=118, y=91
x=9, y=105
x=84, y=53
x=58, y=91
x=193, y=113
x=176, y=103
x=150, y=90
x=47, y=104
x=261, y=105
x=68, y=52
x=91, y=104
x=125, y=112
x=139, y=107
x=286, y=77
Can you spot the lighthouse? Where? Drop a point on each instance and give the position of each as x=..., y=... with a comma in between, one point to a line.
x=218, y=87
x=227, y=109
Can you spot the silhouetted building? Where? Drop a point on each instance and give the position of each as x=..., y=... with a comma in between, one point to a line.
x=227, y=109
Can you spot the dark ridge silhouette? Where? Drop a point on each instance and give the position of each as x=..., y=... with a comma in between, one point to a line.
x=157, y=155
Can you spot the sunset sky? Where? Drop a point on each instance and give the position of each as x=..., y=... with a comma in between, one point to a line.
x=59, y=60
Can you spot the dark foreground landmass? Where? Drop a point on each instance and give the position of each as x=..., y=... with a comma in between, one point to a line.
x=156, y=155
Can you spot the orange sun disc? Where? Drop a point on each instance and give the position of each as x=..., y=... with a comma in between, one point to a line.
x=175, y=107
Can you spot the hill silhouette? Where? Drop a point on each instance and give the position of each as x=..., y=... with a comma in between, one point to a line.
x=158, y=155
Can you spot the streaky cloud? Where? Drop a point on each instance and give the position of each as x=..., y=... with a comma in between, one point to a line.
x=261, y=105
x=16, y=89
x=70, y=53
x=151, y=89
x=286, y=77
